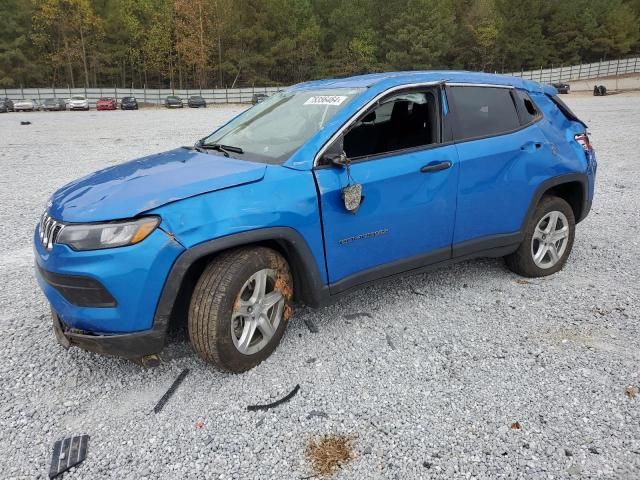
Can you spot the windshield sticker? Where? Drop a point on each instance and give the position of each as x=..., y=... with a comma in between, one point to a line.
x=326, y=100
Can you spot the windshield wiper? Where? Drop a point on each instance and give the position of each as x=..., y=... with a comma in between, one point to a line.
x=196, y=147
x=225, y=149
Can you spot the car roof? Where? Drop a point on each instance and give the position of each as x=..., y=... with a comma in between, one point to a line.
x=393, y=79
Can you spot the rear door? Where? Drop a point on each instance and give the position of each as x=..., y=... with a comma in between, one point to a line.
x=499, y=146
x=409, y=181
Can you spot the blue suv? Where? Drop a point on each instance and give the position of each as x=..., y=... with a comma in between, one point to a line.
x=320, y=189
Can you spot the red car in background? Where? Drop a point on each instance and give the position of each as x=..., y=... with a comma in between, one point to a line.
x=106, y=103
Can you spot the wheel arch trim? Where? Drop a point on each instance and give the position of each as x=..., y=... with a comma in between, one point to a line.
x=299, y=253
x=553, y=182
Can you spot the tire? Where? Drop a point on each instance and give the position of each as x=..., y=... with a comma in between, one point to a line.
x=223, y=326
x=552, y=242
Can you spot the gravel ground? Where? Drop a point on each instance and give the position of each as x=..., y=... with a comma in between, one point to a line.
x=428, y=374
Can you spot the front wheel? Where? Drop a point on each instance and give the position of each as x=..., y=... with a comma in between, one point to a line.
x=240, y=307
x=548, y=240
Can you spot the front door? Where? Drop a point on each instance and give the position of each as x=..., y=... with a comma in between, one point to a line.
x=409, y=183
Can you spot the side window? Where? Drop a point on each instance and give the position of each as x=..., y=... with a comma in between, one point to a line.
x=402, y=121
x=483, y=111
x=527, y=110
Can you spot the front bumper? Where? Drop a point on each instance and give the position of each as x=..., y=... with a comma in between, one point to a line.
x=78, y=107
x=129, y=345
x=133, y=276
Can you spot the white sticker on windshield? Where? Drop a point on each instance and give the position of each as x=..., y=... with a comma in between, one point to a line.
x=326, y=100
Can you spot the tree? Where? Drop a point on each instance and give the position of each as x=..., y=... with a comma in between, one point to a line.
x=419, y=36
x=17, y=51
x=69, y=32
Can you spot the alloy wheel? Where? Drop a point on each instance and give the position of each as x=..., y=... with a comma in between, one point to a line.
x=257, y=312
x=550, y=239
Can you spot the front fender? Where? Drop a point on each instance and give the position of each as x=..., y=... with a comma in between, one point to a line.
x=303, y=263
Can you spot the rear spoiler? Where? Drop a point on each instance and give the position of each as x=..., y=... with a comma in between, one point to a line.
x=564, y=108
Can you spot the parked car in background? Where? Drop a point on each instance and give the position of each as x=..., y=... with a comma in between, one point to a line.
x=3, y=107
x=375, y=187
x=37, y=104
x=8, y=104
x=562, y=87
x=173, y=102
x=196, y=101
x=51, y=104
x=106, y=103
x=78, y=103
x=259, y=97
x=23, y=105
x=129, y=103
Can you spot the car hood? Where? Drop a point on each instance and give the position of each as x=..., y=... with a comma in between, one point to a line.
x=126, y=190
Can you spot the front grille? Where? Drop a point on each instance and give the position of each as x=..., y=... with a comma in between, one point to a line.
x=49, y=230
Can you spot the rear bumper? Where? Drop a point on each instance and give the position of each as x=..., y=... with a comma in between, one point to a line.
x=129, y=345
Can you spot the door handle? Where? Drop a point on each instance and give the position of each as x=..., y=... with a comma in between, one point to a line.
x=436, y=167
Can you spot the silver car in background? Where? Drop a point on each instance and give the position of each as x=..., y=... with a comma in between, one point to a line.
x=78, y=103
x=24, y=105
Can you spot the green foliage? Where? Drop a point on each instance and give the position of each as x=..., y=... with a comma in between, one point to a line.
x=207, y=43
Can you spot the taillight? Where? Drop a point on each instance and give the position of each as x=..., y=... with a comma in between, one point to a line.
x=583, y=139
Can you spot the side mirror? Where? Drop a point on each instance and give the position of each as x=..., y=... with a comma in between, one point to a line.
x=335, y=154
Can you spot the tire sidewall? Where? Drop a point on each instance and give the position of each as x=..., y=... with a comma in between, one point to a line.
x=548, y=204
x=229, y=355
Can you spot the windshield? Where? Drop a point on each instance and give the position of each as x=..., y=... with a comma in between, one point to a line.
x=77, y=98
x=275, y=128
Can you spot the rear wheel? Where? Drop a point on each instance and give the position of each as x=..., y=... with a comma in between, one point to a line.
x=240, y=307
x=548, y=240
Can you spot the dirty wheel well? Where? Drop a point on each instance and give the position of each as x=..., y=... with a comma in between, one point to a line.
x=181, y=305
x=573, y=193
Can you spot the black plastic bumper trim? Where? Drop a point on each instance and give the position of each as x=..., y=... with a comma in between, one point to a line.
x=78, y=290
x=128, y=345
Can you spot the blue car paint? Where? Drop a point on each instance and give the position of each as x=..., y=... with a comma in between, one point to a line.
x=405, y=213
x=125, y=190
x=134, y=275
x=205, y=196
x=285, y=197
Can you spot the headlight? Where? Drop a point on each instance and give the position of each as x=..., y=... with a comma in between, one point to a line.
x=107, y=235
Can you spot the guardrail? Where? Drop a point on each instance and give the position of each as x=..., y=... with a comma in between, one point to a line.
x=611, y=68
x=144, y=95
x=585, y=71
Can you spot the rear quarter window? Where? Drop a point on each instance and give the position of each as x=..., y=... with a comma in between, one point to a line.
x=527, y=109
x=483, y=111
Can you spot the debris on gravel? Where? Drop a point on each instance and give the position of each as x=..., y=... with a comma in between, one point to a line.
x=167, y=395
x=329, y=453
x=286, y=398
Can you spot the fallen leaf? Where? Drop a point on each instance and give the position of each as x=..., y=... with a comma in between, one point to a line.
x=516, y=426
x=523, y=282
x=199, y=424
x=631, y=392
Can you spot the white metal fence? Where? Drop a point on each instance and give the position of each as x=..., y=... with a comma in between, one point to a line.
x=145, y=95
x=611, y=68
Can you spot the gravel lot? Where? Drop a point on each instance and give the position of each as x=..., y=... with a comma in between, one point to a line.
x=427, y=373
